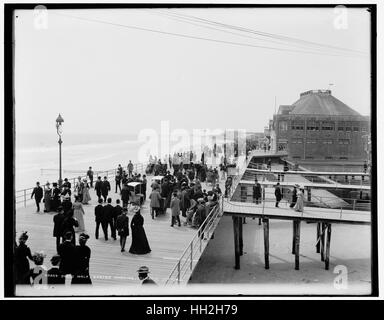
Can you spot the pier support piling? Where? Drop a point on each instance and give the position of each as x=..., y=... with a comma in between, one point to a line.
x=236, y=241
x=328, y=247
x=266, y=242
x=297, y=244
x=293, y=236
x=322, y=241
x=241, y=235
x=318, y=237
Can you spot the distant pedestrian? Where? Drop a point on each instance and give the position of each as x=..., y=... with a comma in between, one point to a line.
x=99, y=218
x=140, y=243
x=278, y=194
x=105, y=188
x=143, y=276
x=109, y=219
x=78, y=213
x=125, y=195
x=57, y=226
x=269, y=164
x=122, y=226
x=98, y=187
x=365, y=166
x=294, y=197
x=118, y=178
x=86, y=195
x=90, y=176
x=47, y=197
x=144, y=187
x=257, y=192
x=155, y=202
x=130, y=169
x=300, y=201
x=38, y=193
x=55, y=203
x=175, y=209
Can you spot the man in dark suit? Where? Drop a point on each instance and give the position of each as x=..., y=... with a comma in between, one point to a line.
x=105, y=188
x=90, y=176
x=109, y=212
x=118, y=178
x=54, y=275
x=118, y=210
x=278, y=194
x=67, y=255
x=294, y=197
x=257, y=192
x=57, y=226
x=66, y=184
x=99, y=218
x=38, y=193
x=125, y=195
x=98, y=187
x=143, y=276
x=69, y=224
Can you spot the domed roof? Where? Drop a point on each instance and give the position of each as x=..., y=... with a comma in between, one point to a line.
x=321, y=102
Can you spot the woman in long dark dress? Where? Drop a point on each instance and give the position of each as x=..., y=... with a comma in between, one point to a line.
x=83, y=255
x=140, y=243
x=47, y=197
x=22, y=254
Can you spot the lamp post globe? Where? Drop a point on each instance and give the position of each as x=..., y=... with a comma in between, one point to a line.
x=59, y=122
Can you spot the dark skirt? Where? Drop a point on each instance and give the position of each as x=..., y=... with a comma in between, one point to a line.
x=140, y=243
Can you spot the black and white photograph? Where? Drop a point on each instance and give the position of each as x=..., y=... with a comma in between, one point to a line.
x=191, y=150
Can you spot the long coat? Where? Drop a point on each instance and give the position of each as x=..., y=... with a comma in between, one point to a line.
x=278, y=194
x=140, y=243
x=68, y=257
x=175, y=206
x=155, y=199
x=57, y=224
x=300, y=202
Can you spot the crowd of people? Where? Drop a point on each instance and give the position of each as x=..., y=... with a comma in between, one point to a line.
x=181, y=192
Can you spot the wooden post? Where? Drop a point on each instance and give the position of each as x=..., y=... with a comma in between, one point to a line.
x=241, y=219
x=322, y=241
x=317, y=238
x=328, y=247
x=266, y=242
x=236, y=241
x=297, y=245
x=293, y=236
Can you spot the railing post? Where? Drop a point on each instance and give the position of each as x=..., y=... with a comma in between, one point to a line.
x=25, y=198
x=178, y=273
x=354, y=204
x=191, y=255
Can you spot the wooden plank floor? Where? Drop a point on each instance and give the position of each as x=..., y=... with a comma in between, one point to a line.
x=108, y=265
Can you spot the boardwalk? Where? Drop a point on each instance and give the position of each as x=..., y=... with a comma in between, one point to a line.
x=109, y=267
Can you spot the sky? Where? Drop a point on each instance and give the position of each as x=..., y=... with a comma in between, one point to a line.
x=105, y=74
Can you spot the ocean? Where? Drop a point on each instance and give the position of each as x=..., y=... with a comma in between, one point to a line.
x=37, y=155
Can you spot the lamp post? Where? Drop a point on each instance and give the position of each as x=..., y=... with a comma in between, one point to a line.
x=59, y=122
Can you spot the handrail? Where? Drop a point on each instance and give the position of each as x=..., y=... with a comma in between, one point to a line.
x=190, y=251
x=26, y=193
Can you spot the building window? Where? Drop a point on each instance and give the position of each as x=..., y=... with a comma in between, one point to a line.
x=327, y=142
x=283, y=126
x=356, y=129
x=311, y=141
x=297, y=125
x=343, y=158
x=340, y=128
x=344, y=141
x=328, y=126
x=328, y=158
x=364, y=129
x=348, y=129
x=297, y=141
x=296, y=157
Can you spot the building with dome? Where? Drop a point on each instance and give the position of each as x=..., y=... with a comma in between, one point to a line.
x=319, y=127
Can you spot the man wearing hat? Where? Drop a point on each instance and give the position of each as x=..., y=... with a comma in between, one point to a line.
x=67, y=254
x=278, y=195
x=38, y=193
x=67, y=184
x=82, y=257
x=57, y=226
x=55, y=197
x=143, y=275
x=122, y=226
x=54, y=276
x=257, y=192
